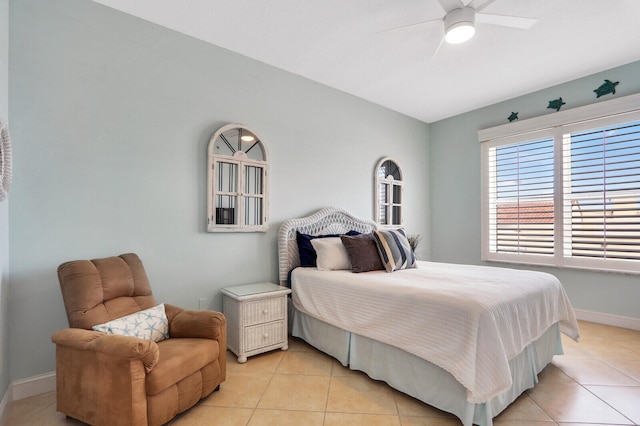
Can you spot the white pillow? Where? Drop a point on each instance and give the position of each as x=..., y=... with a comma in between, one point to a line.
x=150, y=324
x=332, y=255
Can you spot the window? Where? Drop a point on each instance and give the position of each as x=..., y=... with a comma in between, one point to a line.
x=521, y=197
x=237, y=181
x=388, y=195
x=565, y=193
x=601, y=175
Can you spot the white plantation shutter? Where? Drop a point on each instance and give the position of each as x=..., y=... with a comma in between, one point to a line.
x=563, y=189
x=521, y=189
x=601, y=174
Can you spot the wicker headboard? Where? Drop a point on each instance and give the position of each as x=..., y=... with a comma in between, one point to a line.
x=330, y=220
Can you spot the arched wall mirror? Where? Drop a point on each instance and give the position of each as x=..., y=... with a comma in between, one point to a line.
x=237, y=181
x=388, y=193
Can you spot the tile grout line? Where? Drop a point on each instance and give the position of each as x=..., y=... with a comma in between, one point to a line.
x=326, y=401
x=273, y=373
x=606, y=403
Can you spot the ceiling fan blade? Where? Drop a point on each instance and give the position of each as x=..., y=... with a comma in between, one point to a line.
x=437, y=48
x=449, y=5
x=404, y=27
x=478, y=5
x=506, y=21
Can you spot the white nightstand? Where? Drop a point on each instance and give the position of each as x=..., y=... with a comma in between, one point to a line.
x=256, y=318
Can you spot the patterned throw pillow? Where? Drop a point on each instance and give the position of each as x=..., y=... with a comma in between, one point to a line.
x=395, y=250
x=150, y=324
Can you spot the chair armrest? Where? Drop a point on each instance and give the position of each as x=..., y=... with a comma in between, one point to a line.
x=191, y=323
x=124, y=347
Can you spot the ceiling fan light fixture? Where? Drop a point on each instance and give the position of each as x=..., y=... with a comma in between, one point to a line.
x=459, y=25
x=460, y=33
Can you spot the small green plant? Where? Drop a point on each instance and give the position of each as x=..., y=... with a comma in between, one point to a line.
x=414, y=240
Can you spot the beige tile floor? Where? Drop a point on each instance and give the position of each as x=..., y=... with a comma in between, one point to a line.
x=596, y=382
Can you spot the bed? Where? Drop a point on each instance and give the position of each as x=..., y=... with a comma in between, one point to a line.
x=465, y=339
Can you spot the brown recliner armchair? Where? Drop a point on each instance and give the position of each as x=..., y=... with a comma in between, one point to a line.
x=107, y=379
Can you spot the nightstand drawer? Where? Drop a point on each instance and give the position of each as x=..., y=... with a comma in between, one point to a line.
x=263, y=335
x=266, y=310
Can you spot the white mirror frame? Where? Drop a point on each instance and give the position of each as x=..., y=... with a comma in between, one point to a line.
x=240, y=158
x=376, y=194
x=5, y=161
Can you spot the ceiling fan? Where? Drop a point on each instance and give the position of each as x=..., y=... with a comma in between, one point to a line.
x=458, y=23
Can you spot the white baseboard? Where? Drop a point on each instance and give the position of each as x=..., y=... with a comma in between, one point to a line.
x=26, y=388
x=608, y=319
x=4, y=405
x=34, y=385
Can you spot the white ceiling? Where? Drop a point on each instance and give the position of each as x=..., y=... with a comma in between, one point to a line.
x=344, y=44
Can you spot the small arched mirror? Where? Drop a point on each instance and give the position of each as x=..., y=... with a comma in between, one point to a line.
x=5, y=161
x=388, y=193
x=237, y=180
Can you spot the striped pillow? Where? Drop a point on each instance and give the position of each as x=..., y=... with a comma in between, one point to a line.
x=395, y=251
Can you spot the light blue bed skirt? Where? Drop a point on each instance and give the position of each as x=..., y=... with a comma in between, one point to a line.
x=422, y=379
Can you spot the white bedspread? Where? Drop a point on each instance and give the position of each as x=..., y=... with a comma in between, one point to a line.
x=468, y=320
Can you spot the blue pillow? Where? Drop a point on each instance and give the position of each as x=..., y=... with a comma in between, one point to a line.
x=308, y=256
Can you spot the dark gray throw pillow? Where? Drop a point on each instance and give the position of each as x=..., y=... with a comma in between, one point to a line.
x=363, y=253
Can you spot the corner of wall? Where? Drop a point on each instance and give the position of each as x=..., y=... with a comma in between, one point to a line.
x=5, y=387
x=4, y=406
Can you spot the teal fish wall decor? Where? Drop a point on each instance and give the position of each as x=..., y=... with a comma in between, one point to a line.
x=513, y=116
x=556, y=104
x=605, y=88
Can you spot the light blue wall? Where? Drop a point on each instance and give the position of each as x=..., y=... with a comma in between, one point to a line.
x=111, y=117
x=455, y=188
x=4, y=206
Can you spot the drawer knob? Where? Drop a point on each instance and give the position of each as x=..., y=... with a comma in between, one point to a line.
x=266, y=311
x=265, y=335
